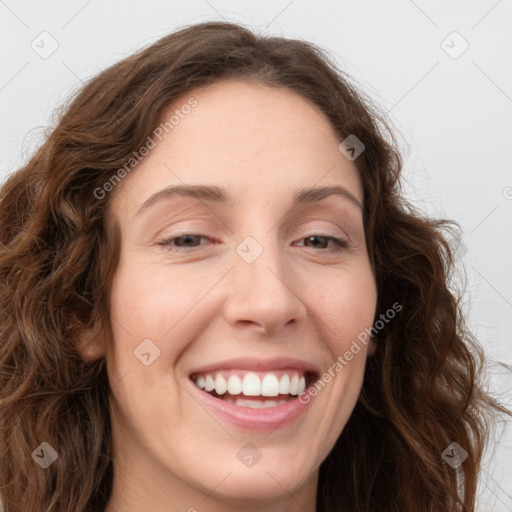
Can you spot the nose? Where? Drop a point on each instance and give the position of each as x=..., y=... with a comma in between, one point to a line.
x=264, y=294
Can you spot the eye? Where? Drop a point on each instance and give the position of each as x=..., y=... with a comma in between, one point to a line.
x=190, y=241
x=183, y=242
x=339, y=243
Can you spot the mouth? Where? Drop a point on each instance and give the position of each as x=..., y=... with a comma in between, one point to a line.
x=253, y=389
x=255, y=394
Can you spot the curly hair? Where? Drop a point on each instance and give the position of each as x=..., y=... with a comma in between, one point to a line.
x=423, y=388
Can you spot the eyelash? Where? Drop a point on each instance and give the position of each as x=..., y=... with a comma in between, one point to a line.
x=340, y=243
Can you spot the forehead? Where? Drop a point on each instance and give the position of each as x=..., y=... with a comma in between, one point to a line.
x=250, y=138
x=245, y=118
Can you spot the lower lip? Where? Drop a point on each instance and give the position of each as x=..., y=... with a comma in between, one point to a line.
x=246, y=418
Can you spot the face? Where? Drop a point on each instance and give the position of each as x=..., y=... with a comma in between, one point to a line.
x=224, y=310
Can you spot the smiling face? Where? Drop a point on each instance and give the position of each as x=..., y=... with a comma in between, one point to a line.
x=247, y=293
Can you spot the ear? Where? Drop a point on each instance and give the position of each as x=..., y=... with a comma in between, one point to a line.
x=91, y=343
x=372, y=347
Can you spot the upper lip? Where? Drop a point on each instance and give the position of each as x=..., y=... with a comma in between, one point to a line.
x=254, y=364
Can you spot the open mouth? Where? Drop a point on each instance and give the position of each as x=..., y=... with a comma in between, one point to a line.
x=252, y=389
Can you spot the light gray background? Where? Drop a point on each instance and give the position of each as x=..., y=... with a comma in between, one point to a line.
x=454, y=114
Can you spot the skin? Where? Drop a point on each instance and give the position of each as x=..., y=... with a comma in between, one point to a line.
x=208, y=305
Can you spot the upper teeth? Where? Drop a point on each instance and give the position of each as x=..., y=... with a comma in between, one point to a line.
x=252, y=384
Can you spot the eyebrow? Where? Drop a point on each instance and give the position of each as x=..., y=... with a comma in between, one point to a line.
x=219, y=195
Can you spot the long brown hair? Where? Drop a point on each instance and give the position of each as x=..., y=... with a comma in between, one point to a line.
x=423, y=388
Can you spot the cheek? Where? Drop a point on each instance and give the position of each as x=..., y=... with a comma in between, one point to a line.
x=347, y=305
x=149, y=307
x=157, y=302
x=146, y=296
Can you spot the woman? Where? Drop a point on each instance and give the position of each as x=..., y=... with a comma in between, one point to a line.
x=253, y=369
